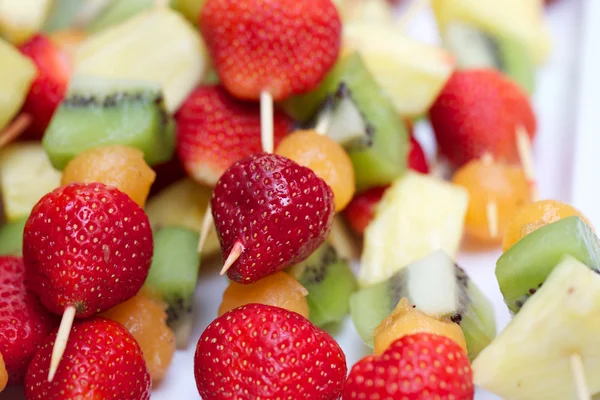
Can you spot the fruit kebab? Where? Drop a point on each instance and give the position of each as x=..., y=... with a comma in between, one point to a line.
x=86, y=248
x=481, y=120
x=264, y=64
x=534, y=275
x=214, y=130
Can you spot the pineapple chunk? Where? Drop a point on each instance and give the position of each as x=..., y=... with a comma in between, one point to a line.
x=183, y=204
x=26, y=175
x=531, y=358
x=418, y=215
x=156, y=45
x=522, y=20
x=19, y=72
x=21, y=19
x=411, y=73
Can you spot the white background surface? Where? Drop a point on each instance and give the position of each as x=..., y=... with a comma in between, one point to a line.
x=556, y=105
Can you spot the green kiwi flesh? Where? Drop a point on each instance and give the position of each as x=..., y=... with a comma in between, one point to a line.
x=385, y=157
x=174, y=274
x=100, y=111
x=11, y=238
x=523, y=268
x=344, y=122
x=329, y=282
x=474, y=48
x=436, y=286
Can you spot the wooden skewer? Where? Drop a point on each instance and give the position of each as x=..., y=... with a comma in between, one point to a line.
x=583, y=392
x=207, y=224
x=526, y=156
x=491, y=210
x=266, y=137
x=15, y=129
x=266, y=121
x=234, y=254
x=61, y=340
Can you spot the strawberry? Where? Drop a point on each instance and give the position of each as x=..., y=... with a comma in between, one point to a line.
x=101, y=361
x=260, y=351
x=49, y=86
x=361, y=209
x=284, y=47
x=478, y=112
x=24, y=322
x=419, y=366
x=88, y=246
x=214, y=130
x=271, y=211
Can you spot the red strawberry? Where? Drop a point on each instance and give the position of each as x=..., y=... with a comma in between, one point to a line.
x=478, y=112
x=50, y=84
x=259, y=351
x=361, y=209
x=24, y=322
x=102, y=361
x=420, y=366
x=271, y=211
x=87, y=246
x=214, y=130
x=284, y=47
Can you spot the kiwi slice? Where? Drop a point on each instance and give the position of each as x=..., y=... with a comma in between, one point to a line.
x=382, y=158
x=473, y=48
x=524, y=267
x=344, y=121
x=173, y=275
x=436, y=286
x=102, y=111
x=11, y=237
x=329, y=281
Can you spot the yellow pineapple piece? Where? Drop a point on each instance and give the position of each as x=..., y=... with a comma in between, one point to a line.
x=406, y=320
x=19, y=72
x=21, y=19
x=418, y=214
x=157, y=45
x=26, y=175
x=410, y=72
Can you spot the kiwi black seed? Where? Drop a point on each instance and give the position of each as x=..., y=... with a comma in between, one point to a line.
x=101, y=111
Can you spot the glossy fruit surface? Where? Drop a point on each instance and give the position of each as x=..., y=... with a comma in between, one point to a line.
x=276, y=211
x=268, y=352
x=87, y=246
x=101, y=361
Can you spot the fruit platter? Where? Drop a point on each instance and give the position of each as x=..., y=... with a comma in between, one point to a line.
x=297, y=199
